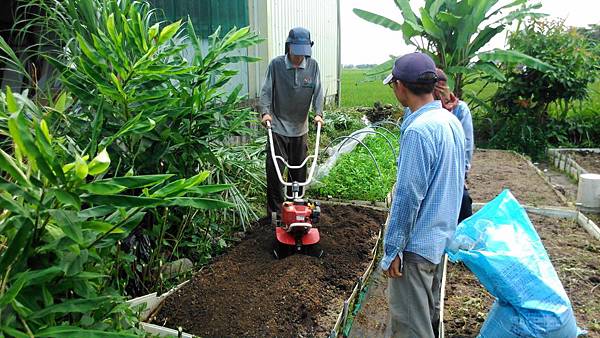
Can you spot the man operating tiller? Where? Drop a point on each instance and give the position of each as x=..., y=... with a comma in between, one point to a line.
x=292, y=83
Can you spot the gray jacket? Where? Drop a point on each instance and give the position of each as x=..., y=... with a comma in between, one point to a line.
x=288, y=92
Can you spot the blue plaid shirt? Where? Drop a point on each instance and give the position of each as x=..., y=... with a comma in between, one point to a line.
x=429, y=186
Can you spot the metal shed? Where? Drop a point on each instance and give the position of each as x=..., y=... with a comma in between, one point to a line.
x=272, y=20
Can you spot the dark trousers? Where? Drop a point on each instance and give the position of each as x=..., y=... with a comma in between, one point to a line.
x=293, y=150
x=466, y=206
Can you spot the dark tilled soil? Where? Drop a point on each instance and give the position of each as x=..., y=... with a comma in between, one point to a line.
x=588, y=160
x=494, y=170
x=247, y=293
x=575, y=256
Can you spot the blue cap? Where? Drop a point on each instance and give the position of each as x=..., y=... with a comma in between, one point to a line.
x=299, y=41
x=413, y=68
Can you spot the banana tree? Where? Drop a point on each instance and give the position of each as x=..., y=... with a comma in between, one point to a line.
x=454, y=32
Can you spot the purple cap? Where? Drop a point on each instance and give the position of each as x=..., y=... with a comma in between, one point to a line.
x=299, y=41
x=413, y=68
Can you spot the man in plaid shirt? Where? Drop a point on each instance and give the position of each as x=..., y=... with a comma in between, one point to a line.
x=427, y=198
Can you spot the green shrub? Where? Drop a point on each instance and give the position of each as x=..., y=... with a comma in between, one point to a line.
x=522, y=117
x=160, y=104
x=62, y=220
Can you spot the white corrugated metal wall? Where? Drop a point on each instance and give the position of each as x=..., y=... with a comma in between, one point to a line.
x=320, y=17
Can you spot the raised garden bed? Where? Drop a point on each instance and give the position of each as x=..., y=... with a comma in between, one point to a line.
x=575, y=162
x=574, y=254
x=588, y=160
x=495, y=170
x=355, y=175
x=246, y=292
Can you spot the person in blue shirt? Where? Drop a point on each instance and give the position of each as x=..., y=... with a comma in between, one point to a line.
x=462, y=112
x=426, y=202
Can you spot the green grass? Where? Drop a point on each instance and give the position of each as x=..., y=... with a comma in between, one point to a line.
x=356, y=93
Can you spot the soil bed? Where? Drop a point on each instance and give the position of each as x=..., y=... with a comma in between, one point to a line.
x=588, y=160
x=247, y=293
x=494, y=170
x=574, y=254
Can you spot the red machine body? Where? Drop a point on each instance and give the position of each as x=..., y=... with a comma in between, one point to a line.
x=292, y=213
x=295, y=229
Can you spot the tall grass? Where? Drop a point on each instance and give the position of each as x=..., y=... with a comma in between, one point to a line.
x=356, y=92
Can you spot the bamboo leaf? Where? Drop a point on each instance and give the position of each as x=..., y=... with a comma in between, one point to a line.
x=133, y=182
x=96, y=212
x=7, y=203
x=14, y=332
x=198, y=203
x=45, y=131
x=101, y=227
x=100, y=163
x=17, y=190
x=67, y=198
x=235, y=35
x=103, y=188
x=8, y=164
x=73, y=306
x=21, y=134
x=123, y=201
x=17, y=244
x=153, y=31
x=76, y=332
x=69, y=223
x=11, y=103
x=61, y=102
x=168, y=32
x=89, y=52
x=210, y=189
x=13, y=290
x=81, y=168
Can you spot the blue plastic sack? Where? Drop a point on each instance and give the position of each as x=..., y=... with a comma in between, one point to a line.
x=501, y=247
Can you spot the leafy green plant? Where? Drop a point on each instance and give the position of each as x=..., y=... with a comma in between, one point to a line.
x=523, y=101
x=61, y=223
x=355, y=176
x=575, y=66
x=454, y=32
x=147, y=90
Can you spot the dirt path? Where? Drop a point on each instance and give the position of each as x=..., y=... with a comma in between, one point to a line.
x=373, y=318
x=247, y=293
x=560, y=181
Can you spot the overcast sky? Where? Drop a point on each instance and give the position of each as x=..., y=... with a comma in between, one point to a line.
x=364, y=42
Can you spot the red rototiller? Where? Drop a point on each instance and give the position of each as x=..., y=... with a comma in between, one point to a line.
x=295, y=230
